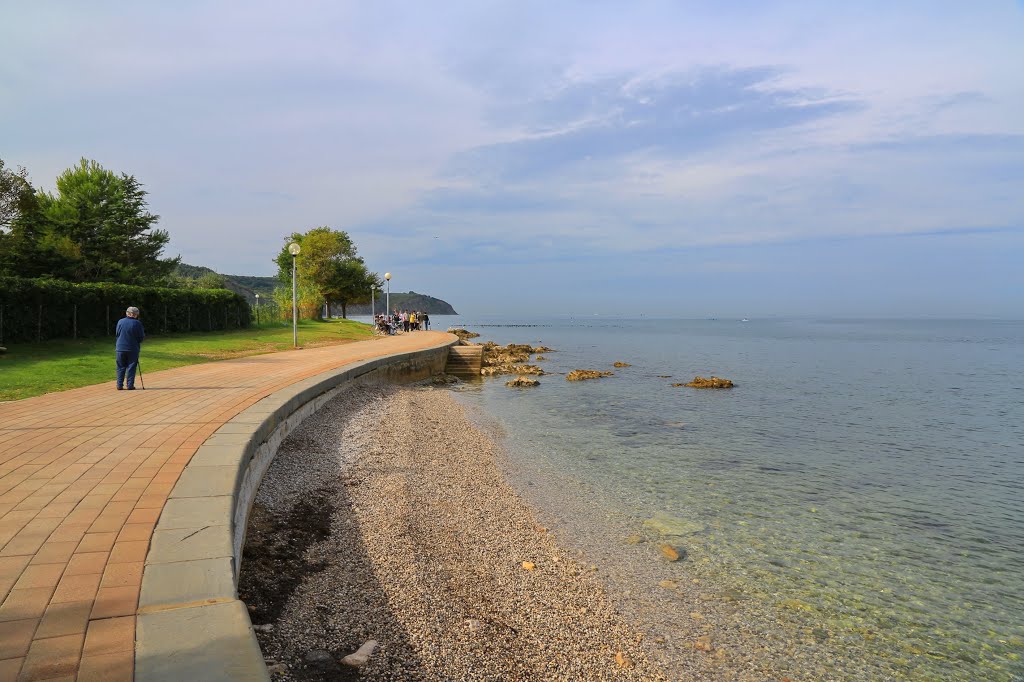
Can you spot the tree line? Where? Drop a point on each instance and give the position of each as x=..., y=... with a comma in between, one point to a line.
x=96, y=227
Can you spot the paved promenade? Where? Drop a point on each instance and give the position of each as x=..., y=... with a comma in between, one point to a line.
x=84, y=476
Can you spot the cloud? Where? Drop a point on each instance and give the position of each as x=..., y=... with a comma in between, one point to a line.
x=673, y=116
x=571, y=138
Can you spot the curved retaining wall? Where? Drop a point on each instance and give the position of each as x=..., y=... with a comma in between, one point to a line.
x=191, y=624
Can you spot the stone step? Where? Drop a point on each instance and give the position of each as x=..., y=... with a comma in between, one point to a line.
x=465, y=360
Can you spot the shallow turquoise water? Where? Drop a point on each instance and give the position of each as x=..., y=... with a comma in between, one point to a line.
x=866, y=477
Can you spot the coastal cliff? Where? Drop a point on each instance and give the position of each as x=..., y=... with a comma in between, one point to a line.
x=407, y=301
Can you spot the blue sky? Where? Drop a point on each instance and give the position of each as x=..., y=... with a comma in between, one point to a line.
x=693, y=159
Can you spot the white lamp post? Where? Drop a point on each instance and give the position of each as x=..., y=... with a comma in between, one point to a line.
x=387, y=276
x=373, y=311
x=294, y=249
x=257, y=310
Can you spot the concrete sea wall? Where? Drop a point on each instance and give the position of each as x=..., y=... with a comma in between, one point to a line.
x=191, y=624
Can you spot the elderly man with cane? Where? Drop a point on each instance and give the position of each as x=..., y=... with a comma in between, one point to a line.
x=129, y=334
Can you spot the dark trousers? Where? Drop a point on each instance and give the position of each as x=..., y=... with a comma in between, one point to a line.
x=127, y=363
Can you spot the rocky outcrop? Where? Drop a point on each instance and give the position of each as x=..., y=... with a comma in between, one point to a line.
x=503, y=356
x=584, y=374
x=463, y=333
x=522, y=381
x=508, y=359
x=713, y=382
x=497, y=370
x=622, y=364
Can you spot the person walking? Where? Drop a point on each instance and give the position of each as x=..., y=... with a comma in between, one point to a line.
x=130, y=335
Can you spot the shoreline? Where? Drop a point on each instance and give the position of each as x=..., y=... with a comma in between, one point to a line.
x=411, y=536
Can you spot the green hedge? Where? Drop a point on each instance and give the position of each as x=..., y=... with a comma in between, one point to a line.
x=40, y=309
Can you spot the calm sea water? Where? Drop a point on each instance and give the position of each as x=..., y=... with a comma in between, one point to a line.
x=864, y=478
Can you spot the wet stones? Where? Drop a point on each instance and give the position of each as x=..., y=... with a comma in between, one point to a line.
x=670, y=552
x=666, y=525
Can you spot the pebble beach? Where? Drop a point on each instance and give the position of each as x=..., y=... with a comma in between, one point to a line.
x=385, y=517
x=391, y=517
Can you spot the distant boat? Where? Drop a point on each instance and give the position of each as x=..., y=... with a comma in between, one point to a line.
x=744, y=320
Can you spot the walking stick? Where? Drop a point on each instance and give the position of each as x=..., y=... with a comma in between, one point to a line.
x=138, y=366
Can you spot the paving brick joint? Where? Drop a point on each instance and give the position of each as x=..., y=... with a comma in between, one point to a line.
x=85, y=477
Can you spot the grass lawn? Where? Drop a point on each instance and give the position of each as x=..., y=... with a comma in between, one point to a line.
x=35, y=368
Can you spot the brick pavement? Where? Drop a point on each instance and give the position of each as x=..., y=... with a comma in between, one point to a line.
x=84, y=475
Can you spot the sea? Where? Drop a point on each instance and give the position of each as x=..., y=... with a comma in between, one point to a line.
x=858, y=495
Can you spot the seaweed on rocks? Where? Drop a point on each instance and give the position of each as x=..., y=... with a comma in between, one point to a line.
x=275, y=549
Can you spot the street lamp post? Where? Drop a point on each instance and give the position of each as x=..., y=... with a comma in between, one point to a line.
x=257, y=310
x=387, y=305
x=373, y=310
x=294, y=249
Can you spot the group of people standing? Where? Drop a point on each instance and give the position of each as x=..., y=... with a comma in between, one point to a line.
x=406, y=321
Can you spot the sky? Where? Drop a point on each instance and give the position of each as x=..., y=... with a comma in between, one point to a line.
x=688, y=159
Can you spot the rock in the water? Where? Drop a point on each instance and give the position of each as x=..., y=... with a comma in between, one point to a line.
x=539, y=358
x=522, y=381
x=443, y=379
x=622, y=364
x=669, y=552
x=583, y=374
x=667, y=526
x=634, y=539
x=463, y=333
x=362, y=656
x=511, y=369
x=796, y=605
x=542, y=349
x=713, y=382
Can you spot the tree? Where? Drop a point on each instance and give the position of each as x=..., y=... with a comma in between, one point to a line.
x=16, y=195
x=28, y=247
x=328, y=266
x=353, y=283
x=101, y=222
x=211, y=280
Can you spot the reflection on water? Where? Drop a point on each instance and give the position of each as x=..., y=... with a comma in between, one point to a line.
x=864, y=478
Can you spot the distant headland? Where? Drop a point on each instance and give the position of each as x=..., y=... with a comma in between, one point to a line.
x=250, y=285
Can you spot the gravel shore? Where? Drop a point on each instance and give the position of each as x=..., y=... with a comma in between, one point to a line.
x=386, y=517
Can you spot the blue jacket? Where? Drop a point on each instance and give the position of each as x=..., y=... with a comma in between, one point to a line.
x=129, y=335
